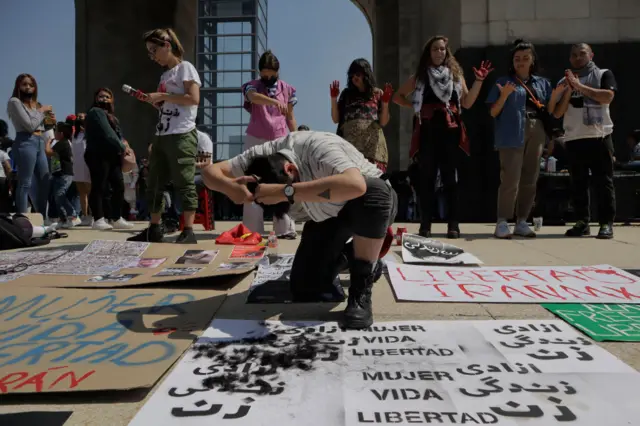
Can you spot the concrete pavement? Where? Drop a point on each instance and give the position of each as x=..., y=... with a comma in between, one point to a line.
x=550, y=248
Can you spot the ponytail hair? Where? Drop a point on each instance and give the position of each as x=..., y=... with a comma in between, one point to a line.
x=160, y=36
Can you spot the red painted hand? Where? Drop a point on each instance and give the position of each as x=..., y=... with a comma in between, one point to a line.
x=334, y=89
x=387, y=93
x=484, y=70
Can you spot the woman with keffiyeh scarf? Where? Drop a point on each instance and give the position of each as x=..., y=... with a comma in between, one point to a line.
x=438, y=93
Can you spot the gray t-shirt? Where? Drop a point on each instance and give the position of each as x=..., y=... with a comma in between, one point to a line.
x=24, y=119
x=316, y=155
x=3, y=157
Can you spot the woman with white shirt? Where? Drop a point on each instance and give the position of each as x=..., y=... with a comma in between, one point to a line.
x=173, y=156
x=81, y=175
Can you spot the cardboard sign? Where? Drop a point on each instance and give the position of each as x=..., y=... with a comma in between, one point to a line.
x=417, y=249
x=619, y=323
x=413, y=372
x=54, y=340
x=248, y=252
x=74, y=269
x=514, y=284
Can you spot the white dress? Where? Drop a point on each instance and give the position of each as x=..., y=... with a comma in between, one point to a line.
x=80, y=169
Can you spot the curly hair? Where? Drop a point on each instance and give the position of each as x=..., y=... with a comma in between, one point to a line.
x=361, y=66
x=449, y=61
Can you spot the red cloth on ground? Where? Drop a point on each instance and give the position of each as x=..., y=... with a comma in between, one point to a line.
x=234, y=237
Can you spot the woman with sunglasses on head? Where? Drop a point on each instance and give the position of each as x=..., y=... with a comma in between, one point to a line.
x=174, y=149
x=361, y=111
x=438, y=93
x=270, y=101
x=28, y=118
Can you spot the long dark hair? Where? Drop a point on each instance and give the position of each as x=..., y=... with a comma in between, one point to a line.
x=362, y=66
x=110, y=110
x=449, y=61
x=518, y=46
x=16, y=88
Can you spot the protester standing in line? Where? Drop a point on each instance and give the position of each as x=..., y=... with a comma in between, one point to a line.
x=361, y=111
x=81, y=175
x=518, y=103
x=28, y=149
x=103, y=155
x=438, y=93
x=583, y=97
x=174, y=149
x=270, y=101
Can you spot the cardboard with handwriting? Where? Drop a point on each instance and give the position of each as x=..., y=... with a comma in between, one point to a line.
x=506, y=372
x=61, y=340
x=123, y=265
x=417, y=249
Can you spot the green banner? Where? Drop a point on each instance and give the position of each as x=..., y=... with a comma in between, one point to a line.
x=620, y=323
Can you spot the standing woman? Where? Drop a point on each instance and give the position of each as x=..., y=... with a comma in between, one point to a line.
x=270, y=101
x=103, y=155
x=173, y=156
x=362, y=111
x=518, y=104
x=28, y=149
x=81, y=175
x=438, y=93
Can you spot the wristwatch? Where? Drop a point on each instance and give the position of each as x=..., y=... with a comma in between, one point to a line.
x=289, y=192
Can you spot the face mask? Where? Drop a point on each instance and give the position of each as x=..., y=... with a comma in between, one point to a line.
x=26, y=95
x=102, y=104
x=269, y=81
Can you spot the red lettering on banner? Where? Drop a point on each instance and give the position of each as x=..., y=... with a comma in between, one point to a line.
x=38, y=380
x=588, y=270
x=593, y=291
x=437, y=287
x=481, y=277
x=624, y=292
x=405, y=278
x=510, y=275
x=504, y=289
x=559, y=275
x=531, y=272
x=471, y=293
x=431, y=275
x=161, y=331
x=575, y=293
x=454, y=274
x=541, y=293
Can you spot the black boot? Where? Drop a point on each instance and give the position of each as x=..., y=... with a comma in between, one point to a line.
x=187, y=237
x=580, y=229
x=347, y=257
x=153, y=234
x=425, y=230
x=358, y=313
x=453, y=231
x=605, y=232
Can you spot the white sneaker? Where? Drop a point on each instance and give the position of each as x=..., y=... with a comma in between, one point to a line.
x=87, y=221
x=70, y=223
x=122, y=224
x=522, y=229
x=101, y=225
x=502, y=230
x=51, y=222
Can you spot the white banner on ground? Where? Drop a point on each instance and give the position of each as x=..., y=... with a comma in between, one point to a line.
x=514, y=284
x=417, y=249
x=504, y=373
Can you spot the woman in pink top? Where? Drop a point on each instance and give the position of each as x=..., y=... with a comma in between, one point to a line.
x=270, y=102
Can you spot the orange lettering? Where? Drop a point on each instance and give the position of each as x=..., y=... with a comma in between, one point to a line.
x=6, y=380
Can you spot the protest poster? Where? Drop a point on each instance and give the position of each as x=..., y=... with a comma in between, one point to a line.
x=55, y=340
x=505, y=372
x=271, y=283
x=602, y=322
x=248, y=252
x=514, y=284
x=417, y=249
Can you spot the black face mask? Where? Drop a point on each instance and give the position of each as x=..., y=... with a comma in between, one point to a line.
x=103, y=105
x=269, y=81
x=26, y=95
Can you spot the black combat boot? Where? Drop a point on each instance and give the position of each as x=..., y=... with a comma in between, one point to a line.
x=358, y=313
x=187, y=237
x=153, y=234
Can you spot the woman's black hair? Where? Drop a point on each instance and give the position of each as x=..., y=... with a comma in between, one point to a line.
x=65, y=128
x=362, y=66
x=270, y=169
x=4, y=129
x=520, y=45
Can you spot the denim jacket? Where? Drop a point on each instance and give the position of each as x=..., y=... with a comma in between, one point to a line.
x=510, y=123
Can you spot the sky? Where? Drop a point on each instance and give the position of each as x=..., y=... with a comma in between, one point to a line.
x=310, y=55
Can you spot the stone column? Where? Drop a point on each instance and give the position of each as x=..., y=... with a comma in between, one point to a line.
x=110, y=52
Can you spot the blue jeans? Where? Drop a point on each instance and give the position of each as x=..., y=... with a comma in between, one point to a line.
x=61, y=185
x=33, y=173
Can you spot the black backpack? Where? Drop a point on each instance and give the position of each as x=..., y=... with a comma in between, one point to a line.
x=15, y=233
